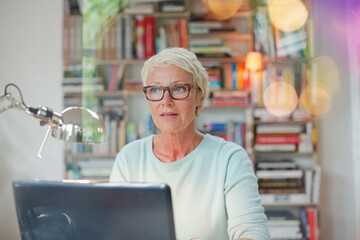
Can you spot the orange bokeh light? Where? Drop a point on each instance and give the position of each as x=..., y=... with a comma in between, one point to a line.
x=325, y=72
x=280, y=98
x=223, y=9
x=315, y=99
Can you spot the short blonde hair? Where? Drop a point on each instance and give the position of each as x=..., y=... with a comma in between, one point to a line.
x=185, y=60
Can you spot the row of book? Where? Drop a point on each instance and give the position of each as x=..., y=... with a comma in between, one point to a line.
x=128, y=37
x=229, y=98
x=294, y=74
x=91, y=169
x=283, y=181
x=209, y=45
x=228, y=76
x=285, y=137
x=286, y=225
x=273, y=42
x=119, y=133
x=230, y=131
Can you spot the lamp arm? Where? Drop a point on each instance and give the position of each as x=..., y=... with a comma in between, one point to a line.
x=12, y=103
x=45, y=114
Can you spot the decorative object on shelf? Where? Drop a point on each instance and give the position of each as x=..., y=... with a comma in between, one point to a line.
x=75, y=124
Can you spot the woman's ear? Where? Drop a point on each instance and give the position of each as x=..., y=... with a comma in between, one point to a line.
x=200, y=101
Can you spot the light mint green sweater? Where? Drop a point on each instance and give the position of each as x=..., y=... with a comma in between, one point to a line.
x=214, y=189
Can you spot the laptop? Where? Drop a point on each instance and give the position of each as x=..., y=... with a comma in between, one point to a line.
x=93, y=211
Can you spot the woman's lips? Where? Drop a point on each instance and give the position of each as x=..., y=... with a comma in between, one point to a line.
x=168, y=115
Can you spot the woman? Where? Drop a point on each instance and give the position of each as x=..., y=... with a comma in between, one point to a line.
x=214, y=189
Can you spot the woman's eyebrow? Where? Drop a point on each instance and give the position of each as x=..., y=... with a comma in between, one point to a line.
x=172, y=83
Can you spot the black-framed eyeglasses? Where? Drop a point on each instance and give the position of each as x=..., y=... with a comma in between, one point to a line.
x=177, y=92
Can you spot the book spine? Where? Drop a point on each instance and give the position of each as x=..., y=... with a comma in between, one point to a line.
x=149, y=36
x=140, y=37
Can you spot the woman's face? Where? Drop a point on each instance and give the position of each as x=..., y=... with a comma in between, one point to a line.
x=169, y=115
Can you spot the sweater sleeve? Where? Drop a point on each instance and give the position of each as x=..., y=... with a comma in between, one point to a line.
x=246, y=217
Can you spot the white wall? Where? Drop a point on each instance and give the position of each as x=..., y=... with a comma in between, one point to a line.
x=337, y=216
x=31, y=57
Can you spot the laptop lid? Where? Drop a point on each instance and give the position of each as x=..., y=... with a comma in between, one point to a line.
x=93, y=211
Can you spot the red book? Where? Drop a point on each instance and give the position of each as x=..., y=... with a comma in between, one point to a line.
x=149, y=36
x=277, y=139
x=312, y=220
x=183, y=33
x=140, y=37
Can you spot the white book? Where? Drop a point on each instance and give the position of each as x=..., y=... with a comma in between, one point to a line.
x=315, y=189
x=275, y=147
x=293, y=198
x=279, y=174
x=279, y=128
x=119, y=37
x=276, y=164
x=128, y=37
x=308, y=184
x=146, y=8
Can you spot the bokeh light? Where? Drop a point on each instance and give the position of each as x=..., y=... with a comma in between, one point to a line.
x=325, y=72
x=280, y=98
x=315, y=99
x=223, y=9
x=287, y=15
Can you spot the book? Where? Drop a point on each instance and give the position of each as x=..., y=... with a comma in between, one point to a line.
x=149, y=36
x=313, y=222
x=171, y=6
x=275, y=147
x=281, y=164
x=279, y=128
x=277, y=139
x=128, y=33
x=140, y=37
x=293, y=198
x=137, y=9
x=119, y=37
x=279, y=174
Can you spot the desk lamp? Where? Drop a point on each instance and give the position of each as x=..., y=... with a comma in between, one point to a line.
x=74, y=124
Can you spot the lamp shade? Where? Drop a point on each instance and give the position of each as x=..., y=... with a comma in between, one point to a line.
x=80, y=125
x=253, y=61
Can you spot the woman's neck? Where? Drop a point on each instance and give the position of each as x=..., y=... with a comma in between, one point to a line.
x=172, y=147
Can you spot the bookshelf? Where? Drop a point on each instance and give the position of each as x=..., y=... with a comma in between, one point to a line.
x=235, y=109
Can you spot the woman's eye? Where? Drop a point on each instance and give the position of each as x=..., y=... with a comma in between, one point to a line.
x=180, y=89
x=155, y=90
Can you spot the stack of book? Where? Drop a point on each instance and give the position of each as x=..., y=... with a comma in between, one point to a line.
x=278, y=137
x=282, y=181
x=235, y=98
x=284, y=225
x=280, y=177
x=95, y=168
x=215, y=76
x=79, y=84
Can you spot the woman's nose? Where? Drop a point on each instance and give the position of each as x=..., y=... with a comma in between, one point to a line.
x=167, y=98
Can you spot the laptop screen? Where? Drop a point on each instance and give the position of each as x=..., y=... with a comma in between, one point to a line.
x=93, y=211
